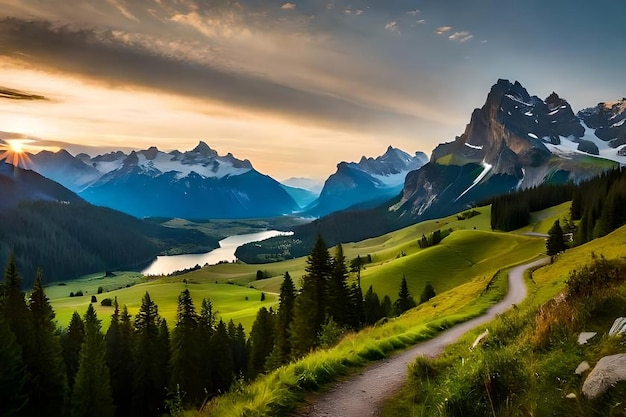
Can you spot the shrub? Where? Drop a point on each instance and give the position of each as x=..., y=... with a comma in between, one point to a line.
x=94, y=299
x=106, y=302
x=100, y=290
x=79, y=293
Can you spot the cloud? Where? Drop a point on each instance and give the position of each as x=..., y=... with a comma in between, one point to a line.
x=356, y=12
x=116, y=61
x=392, y=27
x=421, y=21
x=443, y=29
x=462, y=36
x=413, y=12
x=11, y=94
x=288, y=6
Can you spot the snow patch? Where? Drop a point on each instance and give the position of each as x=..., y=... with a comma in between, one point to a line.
x=473, y=146
x=532, y=135
x=621, y=122
x=479, y=178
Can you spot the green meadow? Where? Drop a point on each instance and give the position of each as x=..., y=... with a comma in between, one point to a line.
x=470, y=252
x=231, y=301
x=531, y=352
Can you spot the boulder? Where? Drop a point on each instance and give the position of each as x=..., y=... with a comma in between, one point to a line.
x=607, y=372
x=584, y=337
x=582, y=368
x=619, y=327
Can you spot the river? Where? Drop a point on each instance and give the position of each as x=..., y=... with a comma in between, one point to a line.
x=164, y=265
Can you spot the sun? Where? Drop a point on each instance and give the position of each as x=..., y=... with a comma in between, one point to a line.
x=13, y=152
x=16, y=146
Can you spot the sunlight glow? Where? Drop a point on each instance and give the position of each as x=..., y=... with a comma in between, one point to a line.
x=14, y=153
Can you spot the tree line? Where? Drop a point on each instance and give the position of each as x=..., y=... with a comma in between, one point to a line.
x=83, y=238
x=138, y=367
x=598, y=204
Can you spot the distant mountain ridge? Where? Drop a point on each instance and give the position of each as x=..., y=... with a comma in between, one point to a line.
x=368, y=182
x=49, y=226
x=194, y=184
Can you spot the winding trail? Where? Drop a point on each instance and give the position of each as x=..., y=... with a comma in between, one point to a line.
x=363, y=394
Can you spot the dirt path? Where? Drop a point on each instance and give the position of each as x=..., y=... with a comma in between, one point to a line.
x=363, y=394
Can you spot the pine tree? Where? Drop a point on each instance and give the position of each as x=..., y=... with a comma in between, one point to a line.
x=149, y=388
x=186, y=353
x=555, y=242
x=13, y=374
x=386, y=307
x=240, y=353
x=428, y=293
x=282, y=347
x=72, y=341
x=119, y=358
x=338, y=293
x=91, y=394
x=261, y=341
x=49, y=385
x=206, y=329
x=404, y=301
x=222, y=356
x=357, y=317
x=19, y=320
x=310, y=305
x=372, y=306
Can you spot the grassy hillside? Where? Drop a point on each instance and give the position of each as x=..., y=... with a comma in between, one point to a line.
x=474, y=281
x=525, y=366
x=470, y=252
x=229, y=300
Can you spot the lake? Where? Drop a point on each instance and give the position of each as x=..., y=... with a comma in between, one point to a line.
x=164, y=265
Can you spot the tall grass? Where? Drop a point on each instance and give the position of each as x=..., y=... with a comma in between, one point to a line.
x=278, y=392
x=525, y=366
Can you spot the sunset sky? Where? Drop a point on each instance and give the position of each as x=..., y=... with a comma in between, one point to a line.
x=293, y=86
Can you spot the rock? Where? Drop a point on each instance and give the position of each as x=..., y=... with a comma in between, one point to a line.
x=585, y=336
x=619, y=326
x=571, y=396
x=607, y=372
x=582, y=368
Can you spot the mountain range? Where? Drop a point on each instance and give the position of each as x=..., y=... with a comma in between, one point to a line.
x=369, y=182
x=48, y=226
x=151, y=183
x=514, y=141
x=201, y=184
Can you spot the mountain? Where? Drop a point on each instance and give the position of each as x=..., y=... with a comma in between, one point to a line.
x=301, y=196
x=309, y=184
x=48, y=226
x=63, y=168
x=369, y=182
x=514, y=141
x=152, y=183
x=17, y=185
x=608, y=123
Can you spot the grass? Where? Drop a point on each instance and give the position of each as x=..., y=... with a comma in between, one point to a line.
x=470, y=252
x=278, y=392
x=229, y=300
x=513, y=372
x=542, y=221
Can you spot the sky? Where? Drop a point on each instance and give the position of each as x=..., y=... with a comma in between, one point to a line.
x=293, y=86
